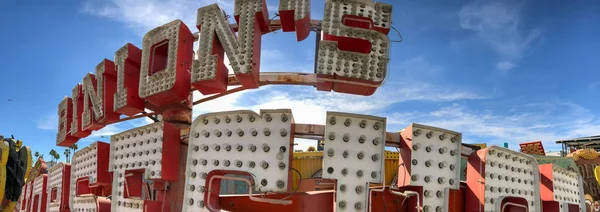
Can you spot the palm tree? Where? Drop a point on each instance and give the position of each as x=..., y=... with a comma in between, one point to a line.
x=57, y=156
x=37, y=155
x=53, y=154
x=74, y=147
x=67, y=154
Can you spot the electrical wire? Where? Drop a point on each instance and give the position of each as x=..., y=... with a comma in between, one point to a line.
x=224, y=13
x=408, y=194
x=148, y=193
x=298, y=186
x=275, y=16
x=385, y=79
x=400, y=35
x=402, y=164
x=383, y=199
x=164, y=194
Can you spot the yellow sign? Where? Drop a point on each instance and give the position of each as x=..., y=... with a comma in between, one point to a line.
x=482, y=145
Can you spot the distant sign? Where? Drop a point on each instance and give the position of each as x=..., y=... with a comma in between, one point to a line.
x=533, y=148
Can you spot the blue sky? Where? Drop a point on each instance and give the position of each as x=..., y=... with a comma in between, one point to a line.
x=497, y=71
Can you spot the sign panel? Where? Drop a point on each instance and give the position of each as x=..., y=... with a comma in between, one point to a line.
x=353, y=154
x=39, y=195
x=147, y=153
x=237, y=142
x=90, y=178
x=587, y=160
x=561, y=189
x=533, y=148
x=501, y=178
x=431, y=161
x=59, y=181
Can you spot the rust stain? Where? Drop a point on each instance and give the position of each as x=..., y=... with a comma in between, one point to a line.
x=310, y=129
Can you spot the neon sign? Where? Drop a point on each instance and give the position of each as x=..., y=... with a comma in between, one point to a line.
x=143, y=168
x=164, y=72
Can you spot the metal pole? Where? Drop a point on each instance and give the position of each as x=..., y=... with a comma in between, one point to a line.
x=318, y=40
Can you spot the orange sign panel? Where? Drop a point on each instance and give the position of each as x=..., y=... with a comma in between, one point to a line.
x=533, y=148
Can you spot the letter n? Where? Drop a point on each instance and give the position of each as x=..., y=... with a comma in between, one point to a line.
x=76, y=125
x=99, y=91
x=209, y=74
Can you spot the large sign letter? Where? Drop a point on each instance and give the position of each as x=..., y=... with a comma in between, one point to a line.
x=59, y=178
x=127, y=63
x=99, y=91
x=39, y=195
x=209, y=74
x=353, y=54
x=65, y=119
x=354, y=155
x=431, y=164
x=167, y=53
x=237, y=142
x=76, y=124
x=90, y=180
x=148, y=153
x=25, y=198
x=500, y=179
x=561, y=189
x=295, y=16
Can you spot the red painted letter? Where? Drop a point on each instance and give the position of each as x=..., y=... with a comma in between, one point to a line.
x=59, y=179
x=166, y=61
x=295, y=16
x=65, y=118
x=127, y=64
x=209, y=74
x=76, y=125
x=148, y=153
x=355, y=47
x=99, y=91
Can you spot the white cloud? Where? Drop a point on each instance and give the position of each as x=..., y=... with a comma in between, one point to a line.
x=594, y=85
x=49, y=122
x=144, y=15
x=547, y=122
x=505, y=65
x=417, y=67
x=106, y=131
x=497, y=23
x=225, y=103
x=309, y=105
x=102, y=134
